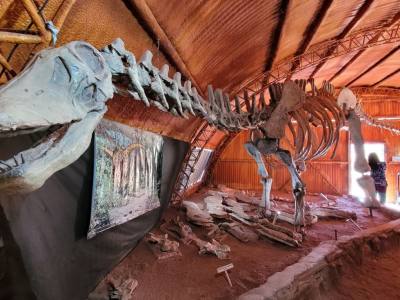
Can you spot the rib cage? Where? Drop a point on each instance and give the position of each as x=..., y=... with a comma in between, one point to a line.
x=153, y=86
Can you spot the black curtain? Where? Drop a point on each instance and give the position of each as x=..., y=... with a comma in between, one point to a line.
x=45, y=253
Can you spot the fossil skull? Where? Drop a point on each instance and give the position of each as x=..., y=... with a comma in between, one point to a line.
x=62, y=89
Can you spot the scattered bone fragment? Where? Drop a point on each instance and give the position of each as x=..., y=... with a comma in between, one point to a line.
x=217, y=193
x=237, y=213
x=240, y=196
x=164, y=243
x=213, y=247
x=214, y=206
x=242, y=233
x=196, y=215
x=240, y=219
x=213, y=199
x=162, y=247
x=288, y=217
x=225, y=189
x=274, y=232
x=330, y=212
x=245, y=207
x=284, y=230
x=277, y=236
x=121, y=289
x=184, y=233
x=178, y=230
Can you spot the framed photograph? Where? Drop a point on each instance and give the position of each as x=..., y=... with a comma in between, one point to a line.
x=127, y=175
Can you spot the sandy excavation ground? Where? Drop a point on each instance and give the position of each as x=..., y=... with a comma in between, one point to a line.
x=378, y=277
x=192, y=276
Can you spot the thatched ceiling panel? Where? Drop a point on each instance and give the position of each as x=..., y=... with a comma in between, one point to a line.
x=392, y=81
x=379, y=72
x=380, y=12
x=332, y=66
x=339, y=15
x=14, y=17
x=367, y=59
x=101, y=22
x=222, y=42
x=303, y=73
x=299, y=16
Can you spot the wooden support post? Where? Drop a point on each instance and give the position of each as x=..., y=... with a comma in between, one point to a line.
x=37, y=19
x=6, y=65
x=19, y=38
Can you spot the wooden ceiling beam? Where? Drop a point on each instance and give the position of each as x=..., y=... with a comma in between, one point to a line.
x=393, y=51
x=386, y=77
x=276, y=35
x=373, y=40
x=360, y=13
x=311, y=30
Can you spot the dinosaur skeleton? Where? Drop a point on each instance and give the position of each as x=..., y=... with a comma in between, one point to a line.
x=66, y=89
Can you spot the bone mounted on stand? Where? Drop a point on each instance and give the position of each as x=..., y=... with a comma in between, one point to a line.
x=348, y=101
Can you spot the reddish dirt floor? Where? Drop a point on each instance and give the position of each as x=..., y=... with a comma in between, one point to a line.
x=377, y=278
x=192, y=276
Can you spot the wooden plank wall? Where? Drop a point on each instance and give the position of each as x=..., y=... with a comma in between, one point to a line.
x=237, y=169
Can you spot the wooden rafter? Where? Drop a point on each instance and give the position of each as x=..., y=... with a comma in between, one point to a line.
x=43, y=37
x=386, y=77
x=276, y=34
x=32, y=10
x=311, y=30
x=373, y=40
x=360, y=13
x=19, y=38
x=393, y=51
x=9, y=70
x=316, y=54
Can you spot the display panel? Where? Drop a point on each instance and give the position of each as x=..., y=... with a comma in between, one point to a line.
x=126, y=175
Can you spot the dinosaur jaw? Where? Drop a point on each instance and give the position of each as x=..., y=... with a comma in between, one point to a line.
x=62, y=88
x=29, y=169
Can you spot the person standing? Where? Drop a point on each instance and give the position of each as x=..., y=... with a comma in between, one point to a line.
x=378, y=170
